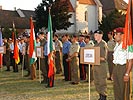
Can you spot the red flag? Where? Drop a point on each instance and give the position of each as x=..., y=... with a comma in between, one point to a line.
x=16, y=49
x=127, y=38
x=16, y=53
x=32, y=46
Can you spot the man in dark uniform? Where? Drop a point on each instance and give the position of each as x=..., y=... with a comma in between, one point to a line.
x=50, y=78
x=42, y=60
x=65, y=51
x=82, y=67
x=26, y=57
x=100, y=72
x=7, y=55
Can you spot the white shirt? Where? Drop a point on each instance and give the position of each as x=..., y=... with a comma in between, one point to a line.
x=120, y=55
x=21, y=46
x=37, y=44
x=12, y=47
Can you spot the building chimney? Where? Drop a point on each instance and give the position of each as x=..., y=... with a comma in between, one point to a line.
x=0, y=7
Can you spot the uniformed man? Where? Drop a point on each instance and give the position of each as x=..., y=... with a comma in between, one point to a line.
x=7, y=55
x=58, y=54
x=89, y=44
x=50, y=79
x=21, y=44
x=82, y=66
x=121, y=73
x=37, y=45
x=65, y=51
x=100, y=72
x=42, y=60
x=111, y=45
x=15, y=66
x=74, y=60
x=26, y=57
x=11, y=46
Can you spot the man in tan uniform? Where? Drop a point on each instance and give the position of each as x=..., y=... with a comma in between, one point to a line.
x=100, y=72
x=111, y=45
x=58, y=54
x=89, y=44
x=121, y=73
x=74, y=60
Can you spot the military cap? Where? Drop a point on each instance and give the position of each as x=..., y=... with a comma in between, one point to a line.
x=98, y=32
x=119, y=30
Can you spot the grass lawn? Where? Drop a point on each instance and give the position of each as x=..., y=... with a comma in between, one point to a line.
x=14, y=87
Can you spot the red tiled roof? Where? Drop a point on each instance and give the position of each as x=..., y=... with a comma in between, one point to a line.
x=89, y=2
x=70, y=7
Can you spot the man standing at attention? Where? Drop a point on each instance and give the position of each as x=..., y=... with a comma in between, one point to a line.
x=74, y=60
x=111, y=45
x=100, y=72
x=58, y=54
x=65, y=51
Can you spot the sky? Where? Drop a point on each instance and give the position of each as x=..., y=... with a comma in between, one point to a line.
x=22, y=4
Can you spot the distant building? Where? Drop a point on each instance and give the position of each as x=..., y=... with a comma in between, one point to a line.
x=19, y=17
x=110, y=5
x=85, y=16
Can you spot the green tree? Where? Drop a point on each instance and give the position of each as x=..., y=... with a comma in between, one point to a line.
x=113, y=20
x=59, y=12
x=6, y=32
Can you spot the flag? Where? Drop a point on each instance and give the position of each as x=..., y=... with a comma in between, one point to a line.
x=128, y=37
x=50, y=47
x=16, y=48
x=1, y=44
x=32, y=45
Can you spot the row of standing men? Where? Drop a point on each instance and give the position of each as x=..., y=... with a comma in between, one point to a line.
x=68, y=53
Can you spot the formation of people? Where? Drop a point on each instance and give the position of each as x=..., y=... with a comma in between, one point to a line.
x=66, y=55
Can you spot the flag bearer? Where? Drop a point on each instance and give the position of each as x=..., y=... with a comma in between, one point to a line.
x=120, y=72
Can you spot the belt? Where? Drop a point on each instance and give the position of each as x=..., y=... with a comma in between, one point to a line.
x=119, y=65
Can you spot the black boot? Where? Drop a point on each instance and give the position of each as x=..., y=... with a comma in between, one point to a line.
x=27, y=74
x=102, y=97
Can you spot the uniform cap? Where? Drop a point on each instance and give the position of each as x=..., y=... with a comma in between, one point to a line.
x=119, y=30
x=98, y=32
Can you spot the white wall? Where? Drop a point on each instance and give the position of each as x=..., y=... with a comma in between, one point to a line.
x=81, y=24
x=92, y=18
x=78, y=18
x=70, y=30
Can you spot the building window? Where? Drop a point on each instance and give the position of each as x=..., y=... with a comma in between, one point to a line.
x=86, y=16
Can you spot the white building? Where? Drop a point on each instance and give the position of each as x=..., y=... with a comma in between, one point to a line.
x=85, y=16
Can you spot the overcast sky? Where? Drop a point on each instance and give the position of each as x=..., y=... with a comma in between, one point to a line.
x=22, y=4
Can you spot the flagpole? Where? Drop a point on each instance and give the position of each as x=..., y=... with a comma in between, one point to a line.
x=1, y=55
x=89, y=81
x=132, y=37
x=39, y=71
x=23, y=67
x=129, y=10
